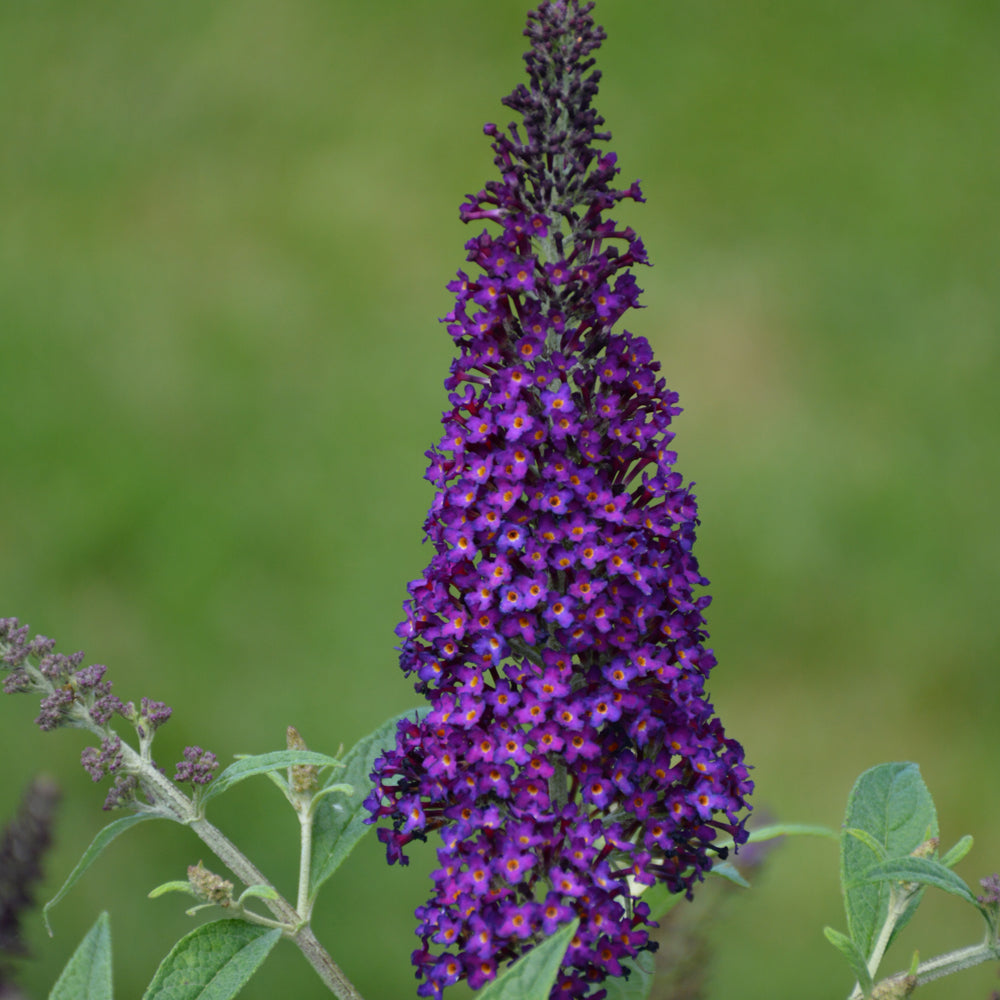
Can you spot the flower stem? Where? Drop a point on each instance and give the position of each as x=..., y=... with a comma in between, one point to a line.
x=304, y=904
x=296, y=926
x=946, y=964
x=956, y=961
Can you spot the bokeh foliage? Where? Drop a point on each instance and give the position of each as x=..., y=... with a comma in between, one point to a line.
x=225, y=231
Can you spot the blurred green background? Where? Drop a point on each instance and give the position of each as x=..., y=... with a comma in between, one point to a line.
x=225, y=232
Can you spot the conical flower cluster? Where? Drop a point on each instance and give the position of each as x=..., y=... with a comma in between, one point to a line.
x=569, y=754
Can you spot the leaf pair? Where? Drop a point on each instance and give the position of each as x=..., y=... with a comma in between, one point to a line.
x=213, y=962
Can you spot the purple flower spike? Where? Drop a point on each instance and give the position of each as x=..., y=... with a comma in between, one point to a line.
x=569, y=753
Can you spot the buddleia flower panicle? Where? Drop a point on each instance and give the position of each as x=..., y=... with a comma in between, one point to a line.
x=569, y=756
x=80, y=697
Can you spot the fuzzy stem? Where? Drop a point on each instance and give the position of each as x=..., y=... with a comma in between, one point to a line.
x=304, y=904
x=949, y=962
x=166, y=795
x=956, y=961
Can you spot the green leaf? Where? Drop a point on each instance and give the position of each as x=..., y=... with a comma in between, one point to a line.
x=262, y=763
x=339, y=822
x=894, y=813
x=639, y=982
x=855, y=959
x=727, y=871
x=959, y=851
x=533, y=976
x=925, y=871
x=338, y=789
x=660, y=900
x=259, y=892
x=213, y=962
x=91, y=854
x=178, y=886
x=867, y=839
x=87, y=975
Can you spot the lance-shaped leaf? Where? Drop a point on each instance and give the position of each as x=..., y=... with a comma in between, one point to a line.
x=339, y=821
x=923, y=871
x=532, y=977
x=91, y=854
x=262, y=763
x=87, y=975
x=959, y=851
x=213, y=962
x=855, y=959
x=728, y=871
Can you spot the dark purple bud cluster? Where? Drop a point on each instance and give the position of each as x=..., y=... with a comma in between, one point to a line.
x=80, y=697
x=104, y=761
x=72, y=695
x=570, y=755
x=122, y=793
x=197, y=767
x=991, y=890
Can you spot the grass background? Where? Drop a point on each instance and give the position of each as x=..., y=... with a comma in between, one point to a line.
x=225, y=231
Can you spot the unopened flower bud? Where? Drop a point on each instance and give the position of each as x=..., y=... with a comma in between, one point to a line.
x=927, y=849
x=302, y=777
x=895, y=987
x=209, y=886
x=991, y=887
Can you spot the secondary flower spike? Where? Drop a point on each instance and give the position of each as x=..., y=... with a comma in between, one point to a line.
x=80, y=697
x=569, y=755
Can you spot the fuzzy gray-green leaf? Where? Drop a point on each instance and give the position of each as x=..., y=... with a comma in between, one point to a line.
x=213, y=962
x=924, y=871
x=855, y=959
x=91, y=854
x=262, y=763
x=959, y=851
x=890, y=804
x=87, y=975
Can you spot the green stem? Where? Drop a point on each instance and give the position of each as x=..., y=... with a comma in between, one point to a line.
x=304, y=903
x=166, y=795
x=946, y=964
x=170, y=802
x=956, y=961
x=878, y=952
x=899, y=898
